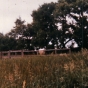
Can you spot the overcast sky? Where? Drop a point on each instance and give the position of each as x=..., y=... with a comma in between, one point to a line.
x=10, y=10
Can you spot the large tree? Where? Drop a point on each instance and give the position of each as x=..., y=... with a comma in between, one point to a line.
x=28, y=36
x=18, y=29
x=7, y=43
x=44, y=26
x=22, y=33
x=78, y=28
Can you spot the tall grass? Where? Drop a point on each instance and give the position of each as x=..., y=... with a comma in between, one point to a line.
x=65, y=71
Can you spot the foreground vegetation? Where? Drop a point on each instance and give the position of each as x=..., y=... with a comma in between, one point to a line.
x=55, y=71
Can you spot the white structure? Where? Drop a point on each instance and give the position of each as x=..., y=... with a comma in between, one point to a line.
x=42, y=51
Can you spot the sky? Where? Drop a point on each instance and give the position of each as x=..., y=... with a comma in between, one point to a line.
x=10, y=10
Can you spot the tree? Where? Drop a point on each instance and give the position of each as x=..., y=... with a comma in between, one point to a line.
x=44, y=26
x=78, y=28
x=6, y=43
x=28, y=35
x=61, y=13
x=22, y=33
x=17, y=31
x=81, y=22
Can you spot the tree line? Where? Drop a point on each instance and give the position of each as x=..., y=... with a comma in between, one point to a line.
x=44, y=32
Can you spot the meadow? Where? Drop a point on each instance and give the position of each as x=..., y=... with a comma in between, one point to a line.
x=45, y=71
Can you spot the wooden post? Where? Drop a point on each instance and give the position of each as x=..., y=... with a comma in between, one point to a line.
x=55, y=47
x=15, y=53
x=37, y=51
x=69, y=51
x=9, y=56
x=1, y=55
x=22, y=53
x=55, y=51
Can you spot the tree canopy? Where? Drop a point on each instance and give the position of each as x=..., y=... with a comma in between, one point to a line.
x=44, y=32
x=44, y=26
x=75, y=10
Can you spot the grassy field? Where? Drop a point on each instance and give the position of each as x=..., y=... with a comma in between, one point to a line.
x=55, y=71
